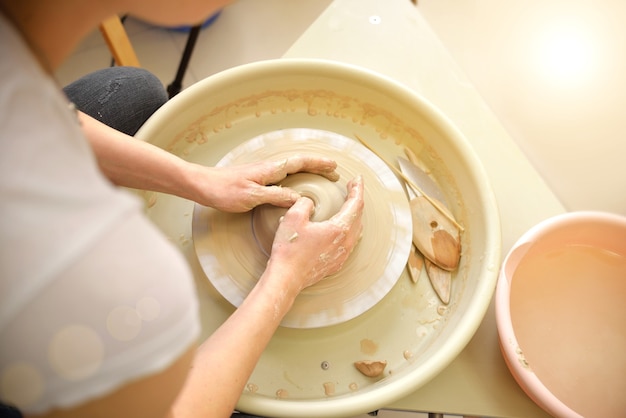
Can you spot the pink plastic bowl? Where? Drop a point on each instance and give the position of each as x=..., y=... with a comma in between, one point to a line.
x=561, y=314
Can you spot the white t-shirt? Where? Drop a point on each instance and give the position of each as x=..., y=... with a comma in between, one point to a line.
x=92, y=295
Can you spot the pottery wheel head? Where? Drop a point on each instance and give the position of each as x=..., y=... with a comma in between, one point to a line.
x=233, y=248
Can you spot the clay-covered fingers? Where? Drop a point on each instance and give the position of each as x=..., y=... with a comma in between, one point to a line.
x=350, y=215
x=305, y=163
x=278, y=170
x=275, y=195
x=345, y=229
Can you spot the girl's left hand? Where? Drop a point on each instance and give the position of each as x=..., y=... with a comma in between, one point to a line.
x=241, y=188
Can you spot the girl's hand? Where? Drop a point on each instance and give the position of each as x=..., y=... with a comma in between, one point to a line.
x=304, y=252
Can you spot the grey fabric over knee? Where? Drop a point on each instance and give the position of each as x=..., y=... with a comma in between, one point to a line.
x=121, y=97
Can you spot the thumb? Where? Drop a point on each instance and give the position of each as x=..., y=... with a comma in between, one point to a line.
x=279, y=196
x=300, y=212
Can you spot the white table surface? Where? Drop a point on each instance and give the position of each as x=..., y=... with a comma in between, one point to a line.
x=392, y=38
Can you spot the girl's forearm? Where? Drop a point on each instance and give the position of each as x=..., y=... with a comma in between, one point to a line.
x=225, y=361
x=133, y=163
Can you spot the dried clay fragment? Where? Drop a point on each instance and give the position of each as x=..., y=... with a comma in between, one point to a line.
x=415, y=264
x=440, y=279
x=371, y=368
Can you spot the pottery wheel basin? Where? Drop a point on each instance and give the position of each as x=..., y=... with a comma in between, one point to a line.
x=308, y=368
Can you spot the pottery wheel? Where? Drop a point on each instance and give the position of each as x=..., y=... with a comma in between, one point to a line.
x=233, y=248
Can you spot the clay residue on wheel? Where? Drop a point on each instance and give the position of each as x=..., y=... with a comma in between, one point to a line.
x=371, y=368
x=368, y=346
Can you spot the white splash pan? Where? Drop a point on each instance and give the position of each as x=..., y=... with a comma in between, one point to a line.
x=310, y=372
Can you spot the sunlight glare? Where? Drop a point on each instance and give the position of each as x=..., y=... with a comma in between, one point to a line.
x=566, y=52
